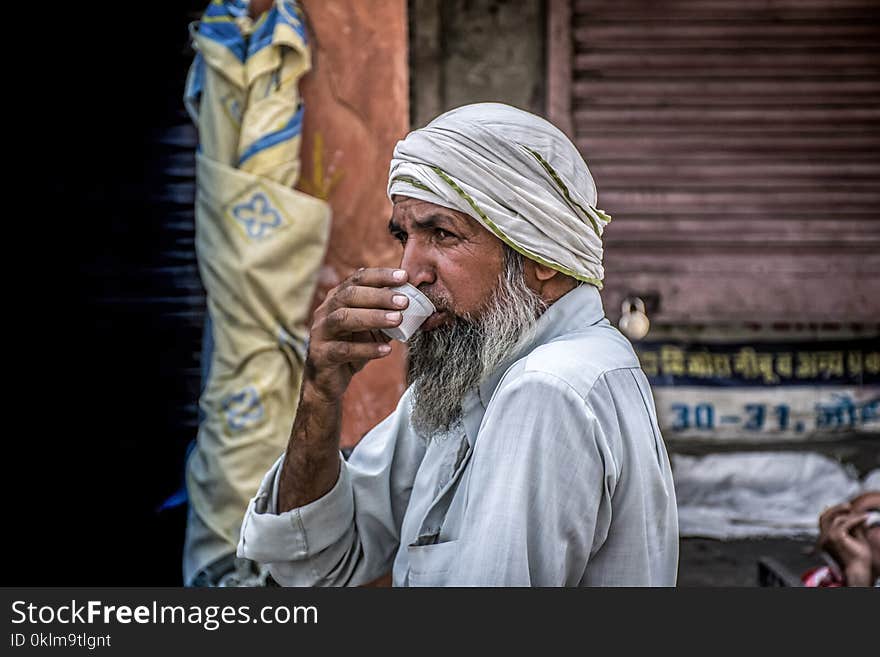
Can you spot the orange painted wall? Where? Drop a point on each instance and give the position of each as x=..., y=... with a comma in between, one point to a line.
x=356, y=108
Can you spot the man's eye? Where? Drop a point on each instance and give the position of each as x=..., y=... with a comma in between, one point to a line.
x=400, y=237
x=443, y=234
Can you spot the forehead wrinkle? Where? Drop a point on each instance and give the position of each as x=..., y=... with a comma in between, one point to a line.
x=433, y=220
x=450, y=219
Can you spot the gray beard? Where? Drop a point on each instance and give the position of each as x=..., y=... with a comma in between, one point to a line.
x=444, y=364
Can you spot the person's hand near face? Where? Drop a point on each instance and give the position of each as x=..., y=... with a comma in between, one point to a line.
x=346, y=330
x=847, y=542
x=848, y=535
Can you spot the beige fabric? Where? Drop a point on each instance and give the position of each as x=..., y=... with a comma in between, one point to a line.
x=260, y=245
x=259, y=291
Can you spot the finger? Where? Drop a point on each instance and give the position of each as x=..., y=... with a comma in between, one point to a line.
x=831, y=513
x=361, y=296
x=837, y=522
x=848, y=546
x=345, y=321
x=350, y=352
x=378, y=336
x=852, y=521
x=836, y=509
x=843, y=526
x=377, y=277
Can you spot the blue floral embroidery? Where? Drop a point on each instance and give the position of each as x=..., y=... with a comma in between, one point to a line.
x=257, y=216
x=243, y=409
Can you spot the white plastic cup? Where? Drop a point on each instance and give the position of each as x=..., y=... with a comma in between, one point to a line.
x=414, y=315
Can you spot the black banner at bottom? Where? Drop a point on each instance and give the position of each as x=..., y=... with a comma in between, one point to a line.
x=286, y=621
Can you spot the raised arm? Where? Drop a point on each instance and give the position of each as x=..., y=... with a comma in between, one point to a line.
x=345, y=335
x=318, y=520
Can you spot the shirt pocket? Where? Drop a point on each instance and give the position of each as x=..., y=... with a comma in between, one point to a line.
x=431, y=565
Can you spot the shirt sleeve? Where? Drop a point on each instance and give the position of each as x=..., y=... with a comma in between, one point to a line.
x=539, y=495
x=349, y=536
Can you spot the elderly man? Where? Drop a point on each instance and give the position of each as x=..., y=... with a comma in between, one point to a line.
x=525, y=451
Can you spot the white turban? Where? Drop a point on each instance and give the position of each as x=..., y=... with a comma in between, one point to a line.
x=519, y=176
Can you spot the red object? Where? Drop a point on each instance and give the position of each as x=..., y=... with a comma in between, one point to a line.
x=821, y=577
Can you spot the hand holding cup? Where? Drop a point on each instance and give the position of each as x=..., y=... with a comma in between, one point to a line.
x=355, y=323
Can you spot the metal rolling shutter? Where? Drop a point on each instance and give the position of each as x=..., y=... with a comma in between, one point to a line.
x=737, y=144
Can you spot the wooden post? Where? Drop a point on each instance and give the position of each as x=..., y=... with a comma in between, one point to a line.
x=426, y=61
x=356, y=108
x=559, y=56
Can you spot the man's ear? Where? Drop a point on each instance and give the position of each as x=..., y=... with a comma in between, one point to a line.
x=537, y=275
x=548, y=283
x=543, y=273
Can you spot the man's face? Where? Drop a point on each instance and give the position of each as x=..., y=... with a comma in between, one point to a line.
x=449, y=257
x=485, y=307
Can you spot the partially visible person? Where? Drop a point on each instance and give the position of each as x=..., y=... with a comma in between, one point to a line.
x=849, y=539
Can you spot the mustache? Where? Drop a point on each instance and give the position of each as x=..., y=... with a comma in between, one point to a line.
x=441, y=302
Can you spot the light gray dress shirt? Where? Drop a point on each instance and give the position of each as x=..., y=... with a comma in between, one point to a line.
x=557, y=476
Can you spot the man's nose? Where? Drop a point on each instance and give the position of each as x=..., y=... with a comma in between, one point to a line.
x=417, y=264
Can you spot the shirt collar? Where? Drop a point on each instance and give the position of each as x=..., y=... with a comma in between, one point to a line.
x=579, y=308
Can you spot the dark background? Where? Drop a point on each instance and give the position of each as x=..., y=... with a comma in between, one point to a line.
x=108, y=326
